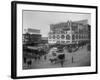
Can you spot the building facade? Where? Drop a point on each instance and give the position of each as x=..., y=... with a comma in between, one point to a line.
x=69, y=32
x=32, y=36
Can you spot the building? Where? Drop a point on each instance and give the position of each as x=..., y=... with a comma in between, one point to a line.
x=33, y=31
x=44, y=40
x=70, y=32
x=32, y=37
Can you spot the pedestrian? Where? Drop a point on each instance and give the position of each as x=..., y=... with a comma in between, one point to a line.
x=35, y=58
x=62, y=62
x=61, y=58
x=24, y=59
x=45, y=57
x=38, y=57
x=72, y=60
x=29, y=63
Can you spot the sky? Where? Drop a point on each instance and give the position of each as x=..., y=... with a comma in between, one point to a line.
x=42, y=19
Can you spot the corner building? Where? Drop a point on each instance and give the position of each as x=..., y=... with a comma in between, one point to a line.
x=70, y=32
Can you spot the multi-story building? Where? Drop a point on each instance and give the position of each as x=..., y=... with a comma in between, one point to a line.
x=70, y=32
x=32, y=36
x=44, y=40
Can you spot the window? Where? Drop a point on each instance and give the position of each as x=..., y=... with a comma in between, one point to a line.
x=58, y=36
x=76, y=36
x=50, y=36
x=62, y=36
x=73, y=37
x=62, y=42
x=67, y=41
x=58, y=42
x=68, y=37
x=53, y=36
x=62, y=32
x=79, y=36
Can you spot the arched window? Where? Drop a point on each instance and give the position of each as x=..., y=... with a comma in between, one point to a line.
x=68, y=37
x=58, y=36
x=62, y=36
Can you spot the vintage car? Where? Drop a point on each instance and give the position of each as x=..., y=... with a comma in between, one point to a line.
x=55, y=55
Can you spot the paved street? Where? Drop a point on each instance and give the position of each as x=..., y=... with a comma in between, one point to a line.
x=80, y=58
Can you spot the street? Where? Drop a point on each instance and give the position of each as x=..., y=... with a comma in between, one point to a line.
x=75, y=59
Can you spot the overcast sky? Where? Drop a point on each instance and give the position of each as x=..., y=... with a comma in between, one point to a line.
x=41, y=19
